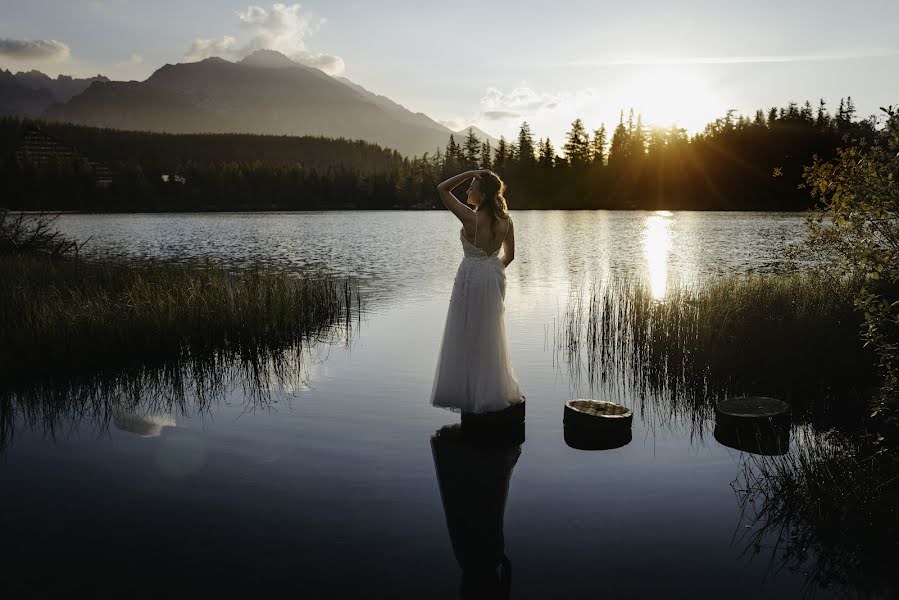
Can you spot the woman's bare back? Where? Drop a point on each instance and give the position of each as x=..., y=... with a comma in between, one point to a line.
x=490, y=233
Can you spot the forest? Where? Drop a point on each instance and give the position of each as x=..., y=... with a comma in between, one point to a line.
x=737, y=162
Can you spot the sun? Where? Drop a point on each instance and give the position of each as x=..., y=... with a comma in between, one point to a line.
x=672, y=94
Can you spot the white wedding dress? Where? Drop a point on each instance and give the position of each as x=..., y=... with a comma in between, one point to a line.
x=474, y=373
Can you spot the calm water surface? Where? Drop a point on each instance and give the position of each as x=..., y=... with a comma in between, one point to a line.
x=337, y=486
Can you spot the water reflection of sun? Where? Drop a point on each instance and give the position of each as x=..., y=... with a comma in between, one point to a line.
x=656, y=246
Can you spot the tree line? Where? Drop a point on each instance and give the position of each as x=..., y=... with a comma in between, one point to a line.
x=735, y=163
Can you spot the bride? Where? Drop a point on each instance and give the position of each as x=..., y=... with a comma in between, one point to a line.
x=474, y=373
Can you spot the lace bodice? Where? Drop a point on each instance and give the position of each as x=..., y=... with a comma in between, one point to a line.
x=472, y=251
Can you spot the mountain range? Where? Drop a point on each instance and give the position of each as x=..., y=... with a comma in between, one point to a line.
x=264, y=93
x=30, y=94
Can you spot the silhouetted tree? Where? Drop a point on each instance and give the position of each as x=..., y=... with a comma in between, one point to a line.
x=501, y=156
x=525, y=154
x=486, y=162
x=472, y=150
x=577, y=147
x=599, y=146
x=547, y=154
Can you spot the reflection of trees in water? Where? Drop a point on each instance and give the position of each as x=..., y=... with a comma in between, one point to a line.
x=789, y=336
x=826, y=509
x=143, y=392
x=473, y=472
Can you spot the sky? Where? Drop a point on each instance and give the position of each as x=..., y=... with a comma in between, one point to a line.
x=497, y=64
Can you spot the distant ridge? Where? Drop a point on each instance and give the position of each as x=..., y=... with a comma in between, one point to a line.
x=264, y=93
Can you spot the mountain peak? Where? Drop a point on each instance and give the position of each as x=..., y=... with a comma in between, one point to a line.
x=267, y=58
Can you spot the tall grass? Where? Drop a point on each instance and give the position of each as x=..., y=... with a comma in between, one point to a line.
x=794, y=336
x=78, y=312
x=81, y=339
x=828, y=508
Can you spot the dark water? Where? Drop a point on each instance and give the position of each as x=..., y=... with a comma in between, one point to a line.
x=336, y=484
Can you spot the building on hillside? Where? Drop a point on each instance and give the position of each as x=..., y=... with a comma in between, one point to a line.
x=41, y=148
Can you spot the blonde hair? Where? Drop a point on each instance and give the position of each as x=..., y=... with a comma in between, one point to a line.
x=493, y=189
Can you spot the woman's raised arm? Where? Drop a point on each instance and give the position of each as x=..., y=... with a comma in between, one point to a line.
x=444, y=189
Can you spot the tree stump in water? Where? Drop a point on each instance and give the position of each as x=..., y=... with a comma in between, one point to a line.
x=513, y=415
x=596, y=424
x=754, y=424
x=757, y=409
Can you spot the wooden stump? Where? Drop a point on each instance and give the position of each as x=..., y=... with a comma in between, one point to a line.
x=512, y=415
x=754, y=424
x=589, y=440
x=596, y=424
x=746, y=409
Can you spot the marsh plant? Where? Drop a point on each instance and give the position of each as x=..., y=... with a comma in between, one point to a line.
x=82, y=339
x=790, y=335
x=32, y=233
x=827, y=508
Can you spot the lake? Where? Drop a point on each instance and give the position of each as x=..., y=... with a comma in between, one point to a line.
x=336, y=484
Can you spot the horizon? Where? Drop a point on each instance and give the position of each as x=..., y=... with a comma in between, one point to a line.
x=671, y=65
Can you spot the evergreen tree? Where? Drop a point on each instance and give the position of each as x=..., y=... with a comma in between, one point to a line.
x=759, y=118
x=455, y=160
x=599, y=146
x=525, y=154
x=472, y=150
x=501, y=156
x=547, y=154
x=485, y=156
x=577, y=146
x=638, y=138
x=620, y=146
x=822, y=120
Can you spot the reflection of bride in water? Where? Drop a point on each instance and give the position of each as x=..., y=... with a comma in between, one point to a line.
x=473, y=473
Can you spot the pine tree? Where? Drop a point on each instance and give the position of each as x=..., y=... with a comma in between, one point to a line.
x=472, y=149
x=759, y=118
x=850, y=108
x=599, y=146
x=547, y=154
x=638, y=139
x=485, y=156
x=525, y=154
x=822, y=119
x=501, y=156
x=454, y=159
x=620, y=146
x=577, y=146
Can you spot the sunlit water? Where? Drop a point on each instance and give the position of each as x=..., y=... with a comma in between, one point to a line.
x=332, y=489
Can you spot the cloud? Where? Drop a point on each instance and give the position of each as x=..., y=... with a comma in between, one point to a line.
x=521, y=101
x=736, y=59
x=502, y=112
x=332, y=65
x=455, y=123
x=33, y=50
x=206, y=47
x=133, y=59
x=495, y=115
x=283, y=28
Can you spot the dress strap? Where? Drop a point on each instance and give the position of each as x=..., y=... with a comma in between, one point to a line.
x=476, y=230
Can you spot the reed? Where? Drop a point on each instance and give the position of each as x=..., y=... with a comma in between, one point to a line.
x=794, y=336
x=81, y=340
x=827, y=508
x=74, y=313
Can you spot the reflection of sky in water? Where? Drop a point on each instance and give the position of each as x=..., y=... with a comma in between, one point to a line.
x=657, y=245
x=342, y=473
